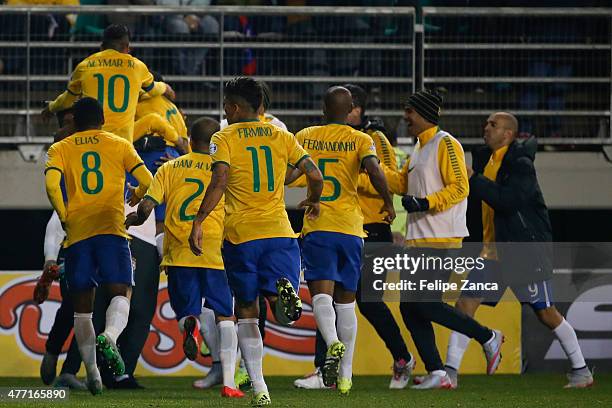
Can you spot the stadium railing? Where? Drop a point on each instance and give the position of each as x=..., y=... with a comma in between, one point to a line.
x=298, y=51
x=552, y=66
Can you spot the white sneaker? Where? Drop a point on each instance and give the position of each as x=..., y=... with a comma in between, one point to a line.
x=214, y=377
x=492, y=350
x=402, y=370
x=94, y=383
x=581, y=378
x=433, y=381
x=69, y=381
x=453, y=375
x=312, y=381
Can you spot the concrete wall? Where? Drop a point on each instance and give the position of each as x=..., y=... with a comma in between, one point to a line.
x=575, y=180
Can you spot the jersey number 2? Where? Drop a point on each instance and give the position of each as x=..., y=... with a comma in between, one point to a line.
x=111, y=91
x=183, y=210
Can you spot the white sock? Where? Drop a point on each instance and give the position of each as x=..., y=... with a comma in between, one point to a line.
x=239, y=354
x=86, y=340
x=325, y=316
x=117, y=316
x=251, y=345
x=228, y=343
x=239, y=358
x=569, y=342
x=439, y=373
x=209, y=332
x=159, y=243
x=457, y=344
x=347, y=332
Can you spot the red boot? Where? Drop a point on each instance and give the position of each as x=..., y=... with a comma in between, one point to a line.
x=230, y=392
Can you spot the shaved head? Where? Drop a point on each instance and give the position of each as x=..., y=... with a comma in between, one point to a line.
x=201, y=133
x=508, y=121
x=338, y=103
x=501, y=130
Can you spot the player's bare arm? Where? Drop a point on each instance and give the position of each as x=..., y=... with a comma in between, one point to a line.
x=378, y=180
x=314, y=178
x=144, y=178
x=169, y=93
x=214, y=192
x=139, y=216
x=182, y=145
x=292, y=174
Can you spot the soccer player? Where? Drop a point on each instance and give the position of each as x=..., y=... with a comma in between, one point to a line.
x=180, y=183
x=260, y=249
x=62, y=325
x=262, y=112
x=165, y=108
x=93, y=163
x=377, y=313
x=332, y=244
x=435, y=180
x=114, y=78
x=144, y=248
x=152, y=149
x=504, y=178
x=214, y=377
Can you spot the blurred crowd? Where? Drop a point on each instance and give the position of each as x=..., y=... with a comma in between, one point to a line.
x=205, y=28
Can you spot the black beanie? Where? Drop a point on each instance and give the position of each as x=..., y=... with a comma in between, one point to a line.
x=425, y=103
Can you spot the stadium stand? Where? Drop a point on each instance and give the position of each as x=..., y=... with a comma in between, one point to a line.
x=543, y=63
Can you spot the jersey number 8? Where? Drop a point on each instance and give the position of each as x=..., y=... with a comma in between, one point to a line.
x=93, y=169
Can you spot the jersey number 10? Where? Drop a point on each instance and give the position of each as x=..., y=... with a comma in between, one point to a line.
x=112, y=81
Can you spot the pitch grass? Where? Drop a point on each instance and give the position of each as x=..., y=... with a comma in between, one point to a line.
x=530, y=391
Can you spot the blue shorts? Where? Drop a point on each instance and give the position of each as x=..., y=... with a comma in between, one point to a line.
x=538, y=295
x=333, y=256
x=188, y=285
x=101, y=259
x=149, y=159
x=253, y=267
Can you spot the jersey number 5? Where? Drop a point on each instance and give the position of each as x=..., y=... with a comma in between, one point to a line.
x=335, y=183
x=91, y=169
x=112, y=81
x=183, y=210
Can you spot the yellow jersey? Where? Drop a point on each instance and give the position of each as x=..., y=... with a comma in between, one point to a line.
x=370, y=206
x=338, y=150
x=257, y=154
x=115, y=80
x=489, y=250
x=166, y=109
x=93, y=163
x=181, y=184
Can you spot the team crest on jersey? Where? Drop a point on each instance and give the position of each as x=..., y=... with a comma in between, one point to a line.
x=212, y=148
x=373, y=147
